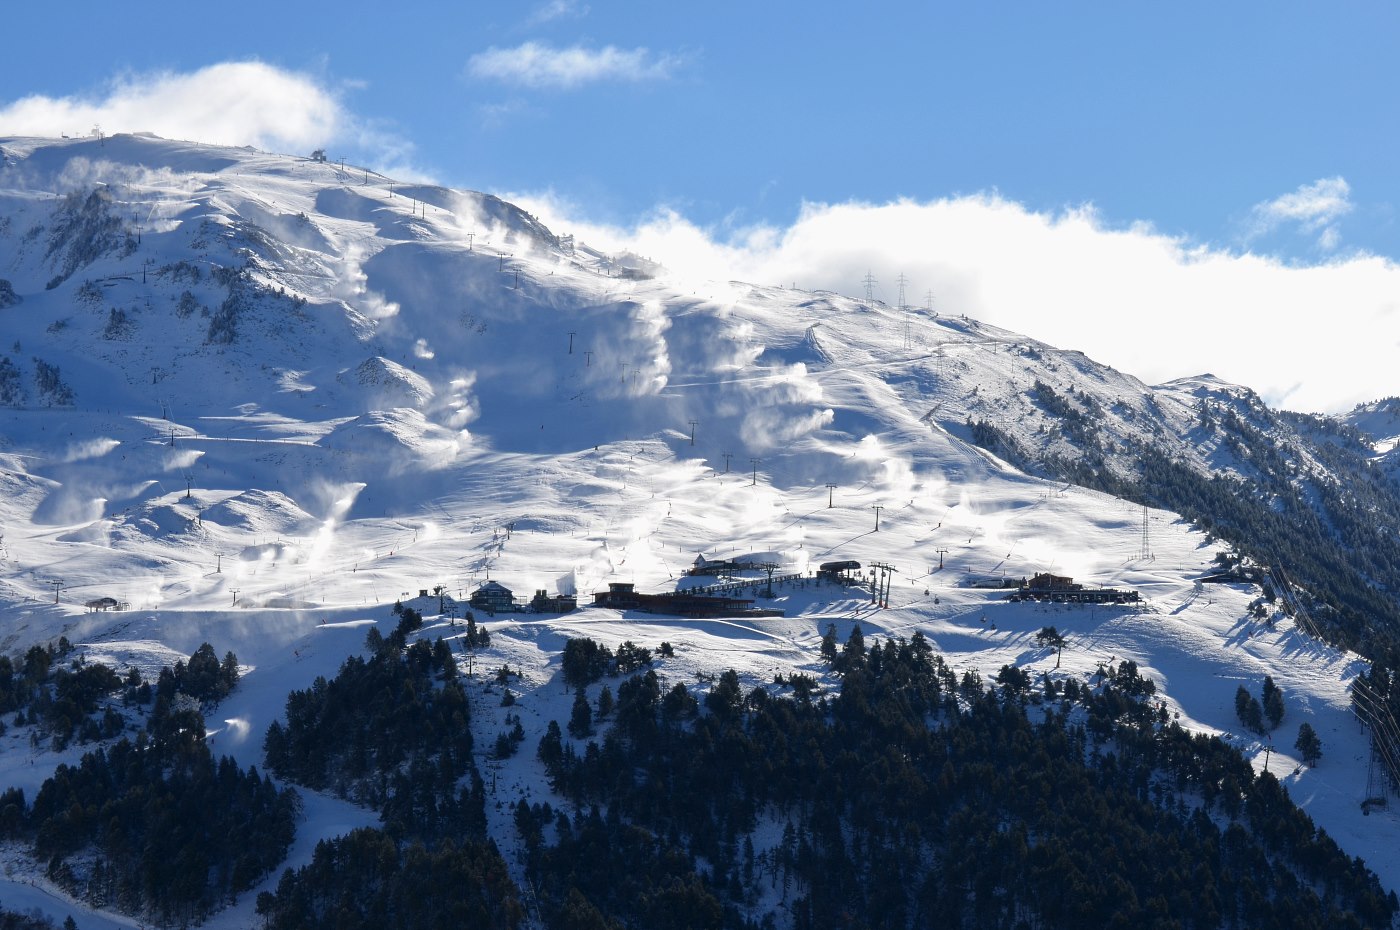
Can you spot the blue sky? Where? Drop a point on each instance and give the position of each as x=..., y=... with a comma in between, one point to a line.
x=1243, y=128
x=1184, y=115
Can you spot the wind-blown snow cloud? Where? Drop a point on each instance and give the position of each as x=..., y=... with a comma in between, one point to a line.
x=536, y=65
x=229, y=103
x=1313, y=209
x=1308, y=337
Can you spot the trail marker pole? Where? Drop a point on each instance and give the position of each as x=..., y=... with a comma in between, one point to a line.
x=830, y=491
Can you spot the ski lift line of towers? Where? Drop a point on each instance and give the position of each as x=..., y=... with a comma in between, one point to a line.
x=882, y=589
x=567, y=244
x=419, y=208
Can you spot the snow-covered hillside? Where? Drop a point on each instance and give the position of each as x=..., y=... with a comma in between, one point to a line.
x=256, y=399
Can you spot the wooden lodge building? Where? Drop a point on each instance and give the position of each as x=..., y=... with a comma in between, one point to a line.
x=1062, y=589
x=493, y=598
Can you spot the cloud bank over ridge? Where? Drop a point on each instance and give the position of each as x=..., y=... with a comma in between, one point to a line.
x=1315, y=337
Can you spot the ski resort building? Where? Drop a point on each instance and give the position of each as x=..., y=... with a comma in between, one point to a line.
x=543, y=603
x=842, y=571
x=704, y=566
x=494, y=598
x=623, y=595
x=1063, y=589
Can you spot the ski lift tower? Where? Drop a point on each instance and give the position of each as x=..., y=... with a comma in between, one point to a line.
x=769, y=568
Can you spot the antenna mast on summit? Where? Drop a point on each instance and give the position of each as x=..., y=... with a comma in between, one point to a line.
x=904, y=308
x=869, y=282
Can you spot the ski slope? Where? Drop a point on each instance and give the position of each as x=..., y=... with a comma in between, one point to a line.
x=426, y=390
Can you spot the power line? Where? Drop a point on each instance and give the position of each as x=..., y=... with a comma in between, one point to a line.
x=902, y=281
x=869, y=282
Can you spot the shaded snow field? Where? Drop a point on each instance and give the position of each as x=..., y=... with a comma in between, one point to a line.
x=443, y=409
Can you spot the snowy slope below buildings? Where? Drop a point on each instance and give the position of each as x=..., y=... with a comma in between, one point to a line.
x=305, y=393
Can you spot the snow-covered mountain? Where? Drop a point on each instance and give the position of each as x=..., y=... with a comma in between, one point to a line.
x=258, y=398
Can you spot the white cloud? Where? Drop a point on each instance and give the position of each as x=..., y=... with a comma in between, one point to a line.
x=557, y=9
x=1317, y=337
x=537, y=65
x=229, y=103
x=1313, y=209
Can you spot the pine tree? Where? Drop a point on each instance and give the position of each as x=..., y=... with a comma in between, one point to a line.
x=1049, y=636
x=1248, y=710
x=829, y=644
x=1273, y=702
x=228, y=671
x=853, y=653
x=1309, y=745
x=581, y=720
x=551, y=749
x=726, y=697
